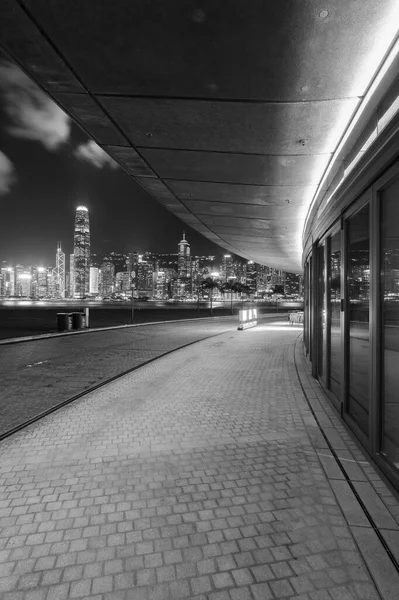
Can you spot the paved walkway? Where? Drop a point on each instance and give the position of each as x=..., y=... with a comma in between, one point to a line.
x=203, y=475
x=39, y=374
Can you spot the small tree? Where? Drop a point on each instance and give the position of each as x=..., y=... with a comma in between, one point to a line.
x=210, y=284
x=228, y=287
x=241, y=288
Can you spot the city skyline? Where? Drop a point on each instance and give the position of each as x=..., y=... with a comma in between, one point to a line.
x=153, y=275
x=48, y=166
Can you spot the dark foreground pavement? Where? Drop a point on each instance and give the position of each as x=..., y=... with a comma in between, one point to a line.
x=217, y=472
x=40, y=374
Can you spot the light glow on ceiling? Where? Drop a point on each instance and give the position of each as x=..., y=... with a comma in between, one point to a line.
x=384, y=36
x=374, y=84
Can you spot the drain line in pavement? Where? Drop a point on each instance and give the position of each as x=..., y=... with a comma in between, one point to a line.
x=97, y=386
x=349, y=482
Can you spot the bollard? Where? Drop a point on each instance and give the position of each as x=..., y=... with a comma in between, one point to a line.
x=87, y=313
x=64, y=321
x=78, y=320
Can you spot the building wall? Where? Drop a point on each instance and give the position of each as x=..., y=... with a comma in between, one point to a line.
x=351, y=265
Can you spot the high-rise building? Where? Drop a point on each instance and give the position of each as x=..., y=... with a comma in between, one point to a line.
x=183, y=258
x=93, y=287
x=107, y=279
x=7, y=281
x=24, y=284
x=145, y=277
x=227, y=269
x=262, y=274
x=122, y=281
x=41, y=282
x=293, y=283
x=183, y=266
x=71, y=275
x=160, y=284
x=81, y=249
x=132, y=261
x=52, y=284
x=251, y=276
x=59, y=272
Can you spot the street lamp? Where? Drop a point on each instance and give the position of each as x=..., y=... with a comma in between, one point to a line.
x=132, y=305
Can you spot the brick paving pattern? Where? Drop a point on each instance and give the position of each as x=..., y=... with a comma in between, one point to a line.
x=193, y=477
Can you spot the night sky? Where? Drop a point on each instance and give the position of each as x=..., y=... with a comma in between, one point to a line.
x=48, y=167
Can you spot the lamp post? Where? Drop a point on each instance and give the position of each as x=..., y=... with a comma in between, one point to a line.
x=198, y=299
x=132, y=305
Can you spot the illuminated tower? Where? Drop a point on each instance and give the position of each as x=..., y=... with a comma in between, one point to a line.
x=81, y=250
x=183, y=265
x=183, y=258
x=59, y=272
x=227, y=270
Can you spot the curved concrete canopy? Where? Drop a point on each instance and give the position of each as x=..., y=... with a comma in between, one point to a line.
x=227, y=111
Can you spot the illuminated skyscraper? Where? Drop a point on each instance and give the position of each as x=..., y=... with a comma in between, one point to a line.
x=107, y=279
x=71, y=275
x=251, y=276
x=59, y=272
x=227, y=270
x=94, y=277
x=183, y=266
x=81, y=250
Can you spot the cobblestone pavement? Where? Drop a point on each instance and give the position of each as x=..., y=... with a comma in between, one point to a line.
x=37, y=375
x=195, y=476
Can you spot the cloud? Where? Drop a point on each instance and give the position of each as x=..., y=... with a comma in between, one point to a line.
x=6, y=173
x=92, y=153
x=33, y=115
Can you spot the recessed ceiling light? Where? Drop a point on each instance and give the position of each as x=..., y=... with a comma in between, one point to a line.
x=323, y=14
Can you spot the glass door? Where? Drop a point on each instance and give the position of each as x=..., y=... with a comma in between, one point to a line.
x=321, y=311
x=357, y=322
x=389, y=302
x=334, y=311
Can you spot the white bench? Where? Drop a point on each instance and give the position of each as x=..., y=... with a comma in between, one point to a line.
x=296, y=317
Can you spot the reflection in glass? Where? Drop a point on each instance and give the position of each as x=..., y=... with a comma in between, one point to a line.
x=306, y=308
x=358, y=281
x=321, y=307
x=335, y=314
x=390, y=321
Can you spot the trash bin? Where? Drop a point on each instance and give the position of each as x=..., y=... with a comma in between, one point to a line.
x=64, y=321
x=78, y=320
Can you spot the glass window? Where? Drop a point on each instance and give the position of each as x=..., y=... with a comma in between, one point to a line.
x=306, y=307
x=390, y=321
x=334, y=302
x=321, y=310
x=310, y=309
x=358, y=282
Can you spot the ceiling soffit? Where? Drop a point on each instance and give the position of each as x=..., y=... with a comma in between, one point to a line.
x=241, y=127
x=259, y=195
x=225, y=167
x=228, y=114
x=234, y=49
